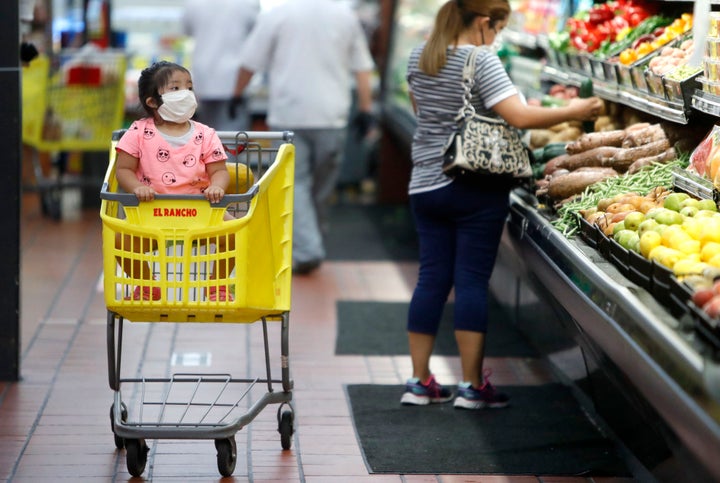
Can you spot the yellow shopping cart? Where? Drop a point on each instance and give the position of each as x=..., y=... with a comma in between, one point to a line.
x=71, y=102
x=180, y=238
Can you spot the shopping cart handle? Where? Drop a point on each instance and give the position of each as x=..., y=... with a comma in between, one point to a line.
x=129, y=199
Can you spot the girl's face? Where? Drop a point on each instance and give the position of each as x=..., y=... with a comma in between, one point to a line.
x=179, y=80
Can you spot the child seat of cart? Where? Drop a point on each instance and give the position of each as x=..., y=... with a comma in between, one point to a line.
x=180, y=234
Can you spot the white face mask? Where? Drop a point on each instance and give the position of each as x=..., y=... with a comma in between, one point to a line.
x=178, y=106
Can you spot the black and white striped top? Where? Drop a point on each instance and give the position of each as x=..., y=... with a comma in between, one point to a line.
x=438, y=99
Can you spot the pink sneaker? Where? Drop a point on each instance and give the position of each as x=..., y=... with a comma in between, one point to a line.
x=219, y=294
x=145, y=293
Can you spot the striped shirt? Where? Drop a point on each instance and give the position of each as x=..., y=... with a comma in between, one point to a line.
x=438, y=99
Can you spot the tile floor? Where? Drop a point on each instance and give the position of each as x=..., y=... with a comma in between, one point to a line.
x=54, y=423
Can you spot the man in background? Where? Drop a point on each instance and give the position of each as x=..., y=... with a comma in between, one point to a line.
x=312, y=52
x=219, y=29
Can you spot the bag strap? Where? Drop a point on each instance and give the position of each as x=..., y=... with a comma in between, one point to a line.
x=468, y=81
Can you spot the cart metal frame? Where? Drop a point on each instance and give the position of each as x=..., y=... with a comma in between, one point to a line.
x=196, y=416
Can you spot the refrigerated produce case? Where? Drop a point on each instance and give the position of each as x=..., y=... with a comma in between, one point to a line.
x=644, y=371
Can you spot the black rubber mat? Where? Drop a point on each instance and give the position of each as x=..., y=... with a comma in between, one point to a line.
x=543, y=432
x=379, y=328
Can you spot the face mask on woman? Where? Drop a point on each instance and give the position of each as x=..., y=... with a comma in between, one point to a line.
x=178, y=106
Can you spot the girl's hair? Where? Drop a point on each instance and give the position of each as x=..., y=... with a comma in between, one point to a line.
x=152, y=79
x=451, y=20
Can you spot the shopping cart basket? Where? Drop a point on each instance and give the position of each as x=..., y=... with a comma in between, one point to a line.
x=181, y=235
x=71, y=102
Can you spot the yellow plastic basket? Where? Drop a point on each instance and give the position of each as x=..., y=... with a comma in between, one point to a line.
x=74, y=101
x=182, y=235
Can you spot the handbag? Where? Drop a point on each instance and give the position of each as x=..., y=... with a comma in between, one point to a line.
x=483, y=145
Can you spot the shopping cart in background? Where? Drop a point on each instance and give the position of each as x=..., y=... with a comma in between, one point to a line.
x=181, y=234
x=71, y=103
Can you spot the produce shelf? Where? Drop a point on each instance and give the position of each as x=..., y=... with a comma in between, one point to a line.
x=674, y=367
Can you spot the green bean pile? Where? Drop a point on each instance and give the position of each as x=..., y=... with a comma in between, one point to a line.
x=642, y=182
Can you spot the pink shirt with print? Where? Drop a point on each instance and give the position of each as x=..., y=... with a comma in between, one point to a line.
x=171, y=169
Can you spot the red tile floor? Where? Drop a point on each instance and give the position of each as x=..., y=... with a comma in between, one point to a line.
x=54, y=423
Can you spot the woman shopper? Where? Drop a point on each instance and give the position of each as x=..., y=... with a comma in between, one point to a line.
x=460, y=222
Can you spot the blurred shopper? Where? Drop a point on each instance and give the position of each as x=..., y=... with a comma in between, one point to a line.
x=460, y=222
x=311, y=50
x=219, y=29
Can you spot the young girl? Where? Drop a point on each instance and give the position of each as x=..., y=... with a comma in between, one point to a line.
x=167, y=153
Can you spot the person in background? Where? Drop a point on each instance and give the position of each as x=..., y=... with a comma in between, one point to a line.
x=460, y=221
x=168, y=153
x=219, y=29
x=311, y=50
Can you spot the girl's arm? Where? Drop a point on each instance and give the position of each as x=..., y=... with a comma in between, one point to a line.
x=125, y=168
x=219, y=181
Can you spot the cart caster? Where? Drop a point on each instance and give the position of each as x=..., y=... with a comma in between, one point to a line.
x=119, y=442
x=137, y=451
x=226, y=455
x=285, y=428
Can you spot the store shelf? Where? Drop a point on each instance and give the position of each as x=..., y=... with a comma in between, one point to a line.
x=615, y=93
x=663, y=358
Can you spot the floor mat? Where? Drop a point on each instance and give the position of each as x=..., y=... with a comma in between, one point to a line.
x=379, y=328
x=371, y=232
x=543, y=432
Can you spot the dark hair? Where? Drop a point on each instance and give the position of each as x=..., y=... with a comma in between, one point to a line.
x=152, y=79
x=452, y=18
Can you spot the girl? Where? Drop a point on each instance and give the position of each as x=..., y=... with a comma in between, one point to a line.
x=169, y=153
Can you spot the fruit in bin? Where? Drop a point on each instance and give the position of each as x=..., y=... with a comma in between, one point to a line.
x=666, y=216
x=674, y=201
x=633, y=220
x=702, y=296
x=648, y=241
x=710, y=230
x=704, y=213
x=648, y=224
x=692, y=227
x=689, y=201
x=712, y=307
x=627, y=239
x=619, y=226
x=706, y=204
x=689, y=211
x=688, y=266
x=665, y=256
x=714, y=261
x=709, y=250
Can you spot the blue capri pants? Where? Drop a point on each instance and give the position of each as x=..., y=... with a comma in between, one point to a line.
x=459, y=229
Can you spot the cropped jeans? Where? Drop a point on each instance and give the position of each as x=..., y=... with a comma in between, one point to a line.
x=459, y=228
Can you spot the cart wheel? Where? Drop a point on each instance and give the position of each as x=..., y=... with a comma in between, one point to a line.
x=50, y=203
x=136, y=456
x=285, y=428
x=119, y=442
x=226, y=455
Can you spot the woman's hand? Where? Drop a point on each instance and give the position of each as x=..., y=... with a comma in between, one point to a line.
x=214, y=193
x=144, y=193
x=587, y=109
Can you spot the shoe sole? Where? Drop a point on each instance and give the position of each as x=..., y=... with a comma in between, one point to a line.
x=463, y=403
x=415, y=400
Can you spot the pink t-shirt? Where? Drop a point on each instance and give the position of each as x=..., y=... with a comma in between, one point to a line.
x=171, y=169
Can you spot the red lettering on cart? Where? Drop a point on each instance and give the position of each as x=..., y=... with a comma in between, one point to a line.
x=176, y=212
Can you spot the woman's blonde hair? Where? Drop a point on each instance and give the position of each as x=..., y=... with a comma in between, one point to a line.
x=451, y=20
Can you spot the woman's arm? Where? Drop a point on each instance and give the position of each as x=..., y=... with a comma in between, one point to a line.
x=523, y=116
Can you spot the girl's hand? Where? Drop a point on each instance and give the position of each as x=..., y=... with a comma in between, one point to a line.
x=144, y=193
x=214, y=193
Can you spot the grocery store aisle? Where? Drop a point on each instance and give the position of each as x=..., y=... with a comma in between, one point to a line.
x=54, y=423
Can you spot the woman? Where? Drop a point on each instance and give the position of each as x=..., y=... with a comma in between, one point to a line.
x=460, y=223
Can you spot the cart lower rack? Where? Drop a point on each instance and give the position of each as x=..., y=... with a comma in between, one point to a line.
x=182, y=239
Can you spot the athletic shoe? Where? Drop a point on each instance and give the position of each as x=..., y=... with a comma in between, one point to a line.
x=146, y=293
x=419, y=394
x=485, y=397
x=219, y=294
